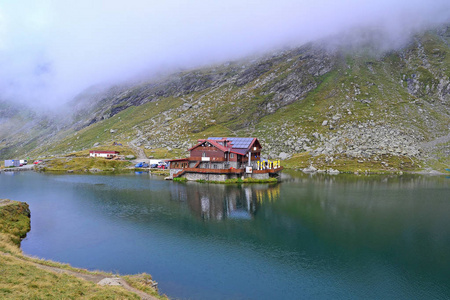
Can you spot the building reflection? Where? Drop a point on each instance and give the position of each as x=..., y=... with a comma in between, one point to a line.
x=219, y=202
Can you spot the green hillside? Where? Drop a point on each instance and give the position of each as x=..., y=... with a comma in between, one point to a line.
x=310, y=105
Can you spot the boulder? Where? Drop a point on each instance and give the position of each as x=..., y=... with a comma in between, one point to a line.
x=309, y=169
x=283, y=155
x=332, y=171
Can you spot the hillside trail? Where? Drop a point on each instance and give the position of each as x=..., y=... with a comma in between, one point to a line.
x=440, y=140
x=95, y=278
x=139, y=151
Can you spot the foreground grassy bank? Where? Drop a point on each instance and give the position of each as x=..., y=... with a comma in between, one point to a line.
x=23, y=277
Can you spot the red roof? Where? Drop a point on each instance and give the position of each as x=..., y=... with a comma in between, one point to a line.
x=235, y=145
x=178, y=159
x=214, y=143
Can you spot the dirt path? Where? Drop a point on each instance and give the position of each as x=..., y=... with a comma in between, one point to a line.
x=431, y=144
x=139, y=151
x=95, y=278
x=4, y=202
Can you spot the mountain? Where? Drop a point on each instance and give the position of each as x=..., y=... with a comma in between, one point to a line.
x=313, y=104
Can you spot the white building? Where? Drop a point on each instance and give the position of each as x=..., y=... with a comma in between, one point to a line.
x=101, y=153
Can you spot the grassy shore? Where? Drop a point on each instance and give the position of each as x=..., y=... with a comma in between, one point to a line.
x=83, y=165
x=22, y=277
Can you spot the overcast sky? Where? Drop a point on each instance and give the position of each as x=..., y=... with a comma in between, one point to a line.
x=52, y=50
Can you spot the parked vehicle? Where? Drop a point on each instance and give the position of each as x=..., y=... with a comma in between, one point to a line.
x=153, y=165
x=23, y=161
x=37, y=162
x=141, y=165
x=162, y=165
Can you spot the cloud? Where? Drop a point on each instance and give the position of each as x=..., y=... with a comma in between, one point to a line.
x=52, y=50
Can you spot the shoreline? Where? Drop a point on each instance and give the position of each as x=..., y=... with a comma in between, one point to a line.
x=14, y=226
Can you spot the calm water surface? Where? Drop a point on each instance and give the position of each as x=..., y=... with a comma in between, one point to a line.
x=319, y=237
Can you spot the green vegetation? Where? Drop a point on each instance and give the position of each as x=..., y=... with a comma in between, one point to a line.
x=180, y=179
x=124, y=150
x=84, y=164
x=14, y=221
x=28, y=278
x=163, y=153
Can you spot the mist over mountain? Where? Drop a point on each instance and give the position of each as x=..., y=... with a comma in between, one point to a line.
x=51, y=51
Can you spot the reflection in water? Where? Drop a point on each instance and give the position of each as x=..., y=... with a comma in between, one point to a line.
x=310, y=237
x=219, y=201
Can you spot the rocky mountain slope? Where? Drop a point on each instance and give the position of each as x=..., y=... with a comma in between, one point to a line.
x=332, y=103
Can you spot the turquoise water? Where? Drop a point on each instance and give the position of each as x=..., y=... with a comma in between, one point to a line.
x=319, y=237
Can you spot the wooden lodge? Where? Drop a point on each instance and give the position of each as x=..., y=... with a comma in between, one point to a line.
x=218, y=159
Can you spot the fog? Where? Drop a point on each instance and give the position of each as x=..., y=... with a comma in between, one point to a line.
x=52, y=50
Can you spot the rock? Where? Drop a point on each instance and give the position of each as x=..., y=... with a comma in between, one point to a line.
x=283, y=155
x=110, y=281
x=94, y=170
x=336, y=117
x=112, y=130
x=130, y=157
x=309, y=169
x=325, y=123
x=332, y=171
x=186, y=106
x=96, y=144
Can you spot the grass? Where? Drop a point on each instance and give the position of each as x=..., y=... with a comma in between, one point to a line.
x=22, y=277
x=84, y=164
x=22, y=280
x=180, y=179
x=14, y=221
x=143, y=282
x=163, y=153
x=124, y=150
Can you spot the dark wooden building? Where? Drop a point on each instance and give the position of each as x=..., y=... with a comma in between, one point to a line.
x=228, y=157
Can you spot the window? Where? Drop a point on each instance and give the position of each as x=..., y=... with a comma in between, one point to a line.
x=203, y=154
x=215, y=166
x=231, y=155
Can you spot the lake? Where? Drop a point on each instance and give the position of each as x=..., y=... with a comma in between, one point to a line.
x=310, y=237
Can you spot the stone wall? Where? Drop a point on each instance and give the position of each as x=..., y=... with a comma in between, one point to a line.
x=174, y=171
x=257, y=176
x=208, y=177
